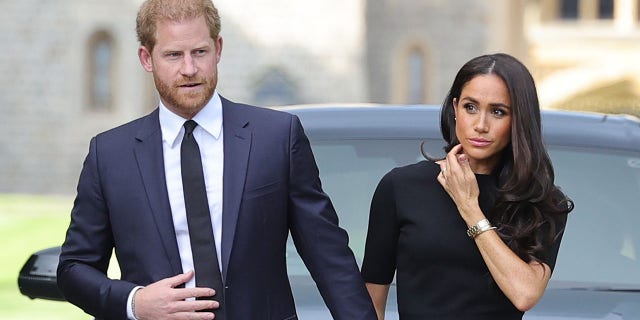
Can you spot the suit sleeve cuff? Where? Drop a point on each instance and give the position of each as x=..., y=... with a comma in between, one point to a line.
x=130, y=306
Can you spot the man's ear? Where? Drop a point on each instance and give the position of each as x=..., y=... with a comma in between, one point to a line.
x=218, y=49
x=145, y=58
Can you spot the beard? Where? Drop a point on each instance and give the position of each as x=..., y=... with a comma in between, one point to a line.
x=188, y=104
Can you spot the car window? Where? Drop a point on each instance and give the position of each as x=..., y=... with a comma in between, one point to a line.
x=350, y=171
x=601, y=232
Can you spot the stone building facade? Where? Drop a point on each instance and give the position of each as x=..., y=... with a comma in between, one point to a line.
x=47, y=113
x=585, y=54
x=70, y=70
x=415, y=48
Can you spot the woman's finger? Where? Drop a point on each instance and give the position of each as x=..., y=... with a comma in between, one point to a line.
x=452, y=158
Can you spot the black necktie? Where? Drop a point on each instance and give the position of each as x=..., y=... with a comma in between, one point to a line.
x=203, y=247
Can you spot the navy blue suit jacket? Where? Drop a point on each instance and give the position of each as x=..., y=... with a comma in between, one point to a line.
x=271, y=187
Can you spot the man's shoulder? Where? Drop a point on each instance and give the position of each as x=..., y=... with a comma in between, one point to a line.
x=140, y=126
x=251, y=112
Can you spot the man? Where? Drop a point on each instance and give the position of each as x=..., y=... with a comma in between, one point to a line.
x=136, y=194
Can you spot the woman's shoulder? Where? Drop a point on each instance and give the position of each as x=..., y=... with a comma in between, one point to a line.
x=419, y=170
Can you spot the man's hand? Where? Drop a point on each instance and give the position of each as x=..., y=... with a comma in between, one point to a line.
x=162, y=300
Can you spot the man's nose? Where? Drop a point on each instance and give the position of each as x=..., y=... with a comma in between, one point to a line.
x=189, y=67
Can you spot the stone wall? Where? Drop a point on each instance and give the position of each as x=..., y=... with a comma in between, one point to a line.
x=47, y=121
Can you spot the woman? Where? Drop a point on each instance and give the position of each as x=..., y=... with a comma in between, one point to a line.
x=474, y=235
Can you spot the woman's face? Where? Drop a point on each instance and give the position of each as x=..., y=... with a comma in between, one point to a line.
x=483, y=121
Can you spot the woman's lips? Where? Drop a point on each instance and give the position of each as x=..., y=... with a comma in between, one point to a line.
x=479, y=142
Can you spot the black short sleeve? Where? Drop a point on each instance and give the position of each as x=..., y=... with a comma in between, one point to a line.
x=379, y=264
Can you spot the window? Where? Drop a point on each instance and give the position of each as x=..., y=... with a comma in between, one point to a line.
x=409, y=84
x=594, y=9
x=569, y=9
x=617, y=248
x=415, y=77
x=101, y=63
x=274, y=89
x=605, y=9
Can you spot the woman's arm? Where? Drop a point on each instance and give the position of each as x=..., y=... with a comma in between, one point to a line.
x=379, y=294
x=379, y=263
x=523, y=283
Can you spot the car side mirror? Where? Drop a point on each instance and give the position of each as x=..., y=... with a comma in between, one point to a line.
x=37, y=278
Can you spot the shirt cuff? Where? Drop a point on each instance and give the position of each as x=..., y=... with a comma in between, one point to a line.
x=130, y=314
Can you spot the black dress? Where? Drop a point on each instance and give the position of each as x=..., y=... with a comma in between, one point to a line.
x=416, y=230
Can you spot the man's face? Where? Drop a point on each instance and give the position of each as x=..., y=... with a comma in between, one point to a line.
x=184, y=64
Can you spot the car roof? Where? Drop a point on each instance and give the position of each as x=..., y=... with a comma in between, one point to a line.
x=372, y=121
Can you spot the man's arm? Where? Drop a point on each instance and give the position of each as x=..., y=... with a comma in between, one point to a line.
x=322, y=244
x=85, y=258
x=87, y=250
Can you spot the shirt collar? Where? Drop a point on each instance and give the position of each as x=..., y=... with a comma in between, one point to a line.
x=209, y=118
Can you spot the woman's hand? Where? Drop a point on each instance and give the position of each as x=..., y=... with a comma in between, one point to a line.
x=457, y=178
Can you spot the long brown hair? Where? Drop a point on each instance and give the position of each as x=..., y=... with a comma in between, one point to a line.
x=528, y=204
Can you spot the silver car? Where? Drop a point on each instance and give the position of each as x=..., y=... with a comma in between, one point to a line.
x=597, y=163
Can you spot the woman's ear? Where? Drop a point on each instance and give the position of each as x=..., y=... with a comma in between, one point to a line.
x=455, y=109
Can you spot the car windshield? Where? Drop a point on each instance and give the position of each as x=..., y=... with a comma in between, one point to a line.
x=601, y=243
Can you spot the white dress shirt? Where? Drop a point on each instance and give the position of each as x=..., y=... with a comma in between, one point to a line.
x=208, y=135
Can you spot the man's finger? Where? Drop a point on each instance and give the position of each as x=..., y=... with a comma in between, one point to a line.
x=194, y=315
x=204, y=304
x=179, y=279
x=187, y=293
x=196, y=305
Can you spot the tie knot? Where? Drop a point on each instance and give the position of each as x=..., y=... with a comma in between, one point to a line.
x=189, y=126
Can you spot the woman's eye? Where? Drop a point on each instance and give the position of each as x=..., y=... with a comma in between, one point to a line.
x=470, y=107
x=499, y=112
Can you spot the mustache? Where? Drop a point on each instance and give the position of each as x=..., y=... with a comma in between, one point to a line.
x=190, y=80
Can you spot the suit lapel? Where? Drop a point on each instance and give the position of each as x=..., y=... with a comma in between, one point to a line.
x=149, y=155
x=237, y=144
